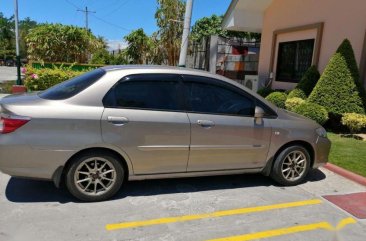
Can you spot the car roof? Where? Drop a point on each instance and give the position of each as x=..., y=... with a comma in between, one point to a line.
x=164, y=69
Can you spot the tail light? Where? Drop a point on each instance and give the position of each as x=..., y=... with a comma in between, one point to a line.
x=9, y=123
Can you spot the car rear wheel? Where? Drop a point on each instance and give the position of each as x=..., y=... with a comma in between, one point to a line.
x=95, y=176
x=291, y=166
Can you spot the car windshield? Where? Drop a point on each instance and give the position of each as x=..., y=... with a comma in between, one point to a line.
x=73, y=86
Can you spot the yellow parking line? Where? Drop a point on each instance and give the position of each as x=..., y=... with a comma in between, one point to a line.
x=210, y=215
x=288, y=230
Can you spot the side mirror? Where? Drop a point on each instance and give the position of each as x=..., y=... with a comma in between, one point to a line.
x=258, y=113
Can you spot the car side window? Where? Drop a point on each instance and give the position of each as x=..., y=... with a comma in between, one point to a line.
x=216, y=99
x=142, y=93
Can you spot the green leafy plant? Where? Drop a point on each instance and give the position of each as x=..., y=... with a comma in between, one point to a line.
x=41, y=79
x=309, y=81
x=61, y=43
x=355, y=122
x=207, y=26
x=339, y=89
x=265, y=91
x=277, y=98
x=297, y=93
x=312, y=111
x=291, y=103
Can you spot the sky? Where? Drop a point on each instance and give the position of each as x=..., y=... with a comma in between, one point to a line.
x=113, y=18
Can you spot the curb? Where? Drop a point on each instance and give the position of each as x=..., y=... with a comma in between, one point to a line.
x=345, y=173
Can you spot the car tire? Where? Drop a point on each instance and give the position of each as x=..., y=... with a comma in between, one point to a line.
x=291, y=166
x=95, y=176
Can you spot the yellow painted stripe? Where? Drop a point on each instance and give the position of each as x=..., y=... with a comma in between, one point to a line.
x=289, y=230
x=210, y=215
x=345, y=222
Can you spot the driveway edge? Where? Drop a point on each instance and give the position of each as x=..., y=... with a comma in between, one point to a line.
x=345, y=173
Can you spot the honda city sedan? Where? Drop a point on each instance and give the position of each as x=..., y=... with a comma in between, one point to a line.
x=119, y=123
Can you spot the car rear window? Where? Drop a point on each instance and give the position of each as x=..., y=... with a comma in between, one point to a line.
x=73, y=86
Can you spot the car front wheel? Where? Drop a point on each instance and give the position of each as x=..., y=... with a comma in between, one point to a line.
x=291, y=166
x=95, y=176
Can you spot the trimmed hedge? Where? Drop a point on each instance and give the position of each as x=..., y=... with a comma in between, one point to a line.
x=297, y=93
x=265, y=91
x=41, y=79
x=312, y=111
x=355, y=122
x=277, y=98
x=339, y=89
x=291, y=103
x=308, y=81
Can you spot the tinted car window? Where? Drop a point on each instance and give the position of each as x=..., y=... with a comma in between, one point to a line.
x=210, y=98
x=73, y=86
x=145, y=94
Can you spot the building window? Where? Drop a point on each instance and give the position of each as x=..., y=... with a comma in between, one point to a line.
x=294, y=58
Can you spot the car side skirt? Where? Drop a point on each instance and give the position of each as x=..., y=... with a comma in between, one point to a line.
x=193, y=174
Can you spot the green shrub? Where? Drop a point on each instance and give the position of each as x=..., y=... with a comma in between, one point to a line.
x=277, y=98
x=265, y=91
x=41, y=79
x=312, y=111
x=355, y=122
x=339, y=89
x=309, y=80
x=6, y=86
x=297, y=93
x=291, y=103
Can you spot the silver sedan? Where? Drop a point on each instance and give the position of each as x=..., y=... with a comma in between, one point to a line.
x=121, y=123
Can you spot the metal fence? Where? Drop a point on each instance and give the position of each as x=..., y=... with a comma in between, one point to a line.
x=235, y=57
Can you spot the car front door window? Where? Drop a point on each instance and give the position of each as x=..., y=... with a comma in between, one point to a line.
x=213, y=99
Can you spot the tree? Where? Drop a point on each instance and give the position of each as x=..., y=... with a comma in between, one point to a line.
x=7, y=35
x=212, y=25
x=120, y=58
x=7, y=38
x=139, y=45
x=207, y=26
x=339, y=88
x=169, y=18
x=309, y=80
x=101, y=56
x=61, y=43
x=25, y=26
x=156, y=49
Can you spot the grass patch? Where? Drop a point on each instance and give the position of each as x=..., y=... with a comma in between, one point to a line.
x=348, y=153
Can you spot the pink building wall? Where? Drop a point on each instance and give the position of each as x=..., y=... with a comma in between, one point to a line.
x=342, y=19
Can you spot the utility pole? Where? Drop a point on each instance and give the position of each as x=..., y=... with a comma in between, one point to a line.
x=86, y=11
x=186, y=30
x=19, y=80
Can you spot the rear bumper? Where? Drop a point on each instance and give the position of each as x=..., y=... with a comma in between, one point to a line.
x=23, y=161
x=322, y=150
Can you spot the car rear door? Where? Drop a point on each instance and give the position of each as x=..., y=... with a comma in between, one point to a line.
x=224, y=133
x=144, y=117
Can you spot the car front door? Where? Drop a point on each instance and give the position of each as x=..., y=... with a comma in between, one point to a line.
x=224, y=133
x=143, y=116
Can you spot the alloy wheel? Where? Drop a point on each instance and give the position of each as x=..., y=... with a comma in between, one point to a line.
x=95, y=176
x=294, y=166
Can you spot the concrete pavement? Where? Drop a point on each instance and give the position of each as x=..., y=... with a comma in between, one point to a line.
x=35, y=210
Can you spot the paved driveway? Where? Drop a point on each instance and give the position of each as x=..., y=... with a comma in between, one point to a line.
x=242, y=207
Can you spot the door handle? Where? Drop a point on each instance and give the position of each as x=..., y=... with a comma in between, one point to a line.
x=118, y=121
x=206, y=123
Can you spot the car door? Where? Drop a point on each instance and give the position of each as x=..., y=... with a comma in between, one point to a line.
x=143, y=116
x=224, y=133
